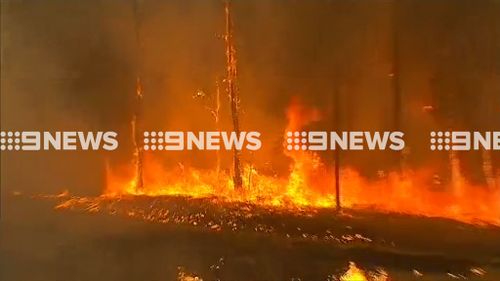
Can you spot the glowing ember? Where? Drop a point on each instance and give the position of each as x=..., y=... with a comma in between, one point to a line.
x=182, y=275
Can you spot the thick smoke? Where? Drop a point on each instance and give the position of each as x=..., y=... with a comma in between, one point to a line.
x=73, y=65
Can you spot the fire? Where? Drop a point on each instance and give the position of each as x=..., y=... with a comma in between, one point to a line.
x=310, y=180
x=354, y=274
x=310, y=184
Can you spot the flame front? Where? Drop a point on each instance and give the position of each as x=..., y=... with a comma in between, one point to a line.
x=310, y=184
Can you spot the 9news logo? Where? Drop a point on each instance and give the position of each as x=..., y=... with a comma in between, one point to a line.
x=10, y=140
x=36, y=141
x=464, y=140
x=215, y=140
x=352, y=140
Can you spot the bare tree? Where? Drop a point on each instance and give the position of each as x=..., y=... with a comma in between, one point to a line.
x=232, y=90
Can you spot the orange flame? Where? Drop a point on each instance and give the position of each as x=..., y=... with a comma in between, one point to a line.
x=310, y=184
x=354, y=274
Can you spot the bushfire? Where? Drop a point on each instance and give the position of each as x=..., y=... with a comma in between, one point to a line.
x=310, y=182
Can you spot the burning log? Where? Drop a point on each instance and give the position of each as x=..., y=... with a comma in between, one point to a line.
x=232, y=91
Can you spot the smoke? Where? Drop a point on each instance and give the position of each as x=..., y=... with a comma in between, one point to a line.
x=73, y=65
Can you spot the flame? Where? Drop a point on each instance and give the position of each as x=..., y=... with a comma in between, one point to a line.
x=310, y=180
x=310, y=184
x=354, y=274
x=182, y=275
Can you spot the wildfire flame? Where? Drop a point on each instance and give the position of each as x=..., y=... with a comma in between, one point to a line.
x=354, y=274
x=310, y=184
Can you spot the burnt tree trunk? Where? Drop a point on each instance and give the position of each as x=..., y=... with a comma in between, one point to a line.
x=136, y=120
x=233, y=92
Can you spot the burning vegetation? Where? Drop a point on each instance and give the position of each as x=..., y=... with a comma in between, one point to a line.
x=297, y=213
x=311, y=182
x=352, y=274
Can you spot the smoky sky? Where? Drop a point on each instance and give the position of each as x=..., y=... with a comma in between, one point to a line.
x=70, y=65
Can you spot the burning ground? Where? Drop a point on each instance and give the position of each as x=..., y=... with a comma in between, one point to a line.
x=404, y=225
x=310, y=181
x=145, y=238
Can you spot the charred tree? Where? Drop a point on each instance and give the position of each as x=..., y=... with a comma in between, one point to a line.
x=216, y=120
x=232, y=91
x=136, y=119
x=212, y=104
x=395, y=79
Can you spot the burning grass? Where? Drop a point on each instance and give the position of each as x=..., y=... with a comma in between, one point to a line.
x=352, y=274
x=310, y=184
